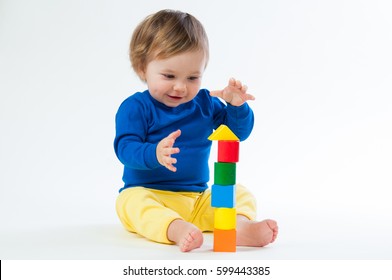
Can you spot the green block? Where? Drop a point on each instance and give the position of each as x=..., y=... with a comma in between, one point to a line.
x=224, y=173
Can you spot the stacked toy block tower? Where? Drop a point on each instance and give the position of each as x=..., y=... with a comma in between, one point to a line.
x=223, y=193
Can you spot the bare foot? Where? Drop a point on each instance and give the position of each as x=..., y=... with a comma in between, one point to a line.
x=255, y=234
x=186, y=235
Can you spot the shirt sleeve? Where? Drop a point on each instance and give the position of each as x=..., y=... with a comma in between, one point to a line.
x=240, y=120
x=130, y=143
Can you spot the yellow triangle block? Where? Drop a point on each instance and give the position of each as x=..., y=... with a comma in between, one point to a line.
x=223, y=133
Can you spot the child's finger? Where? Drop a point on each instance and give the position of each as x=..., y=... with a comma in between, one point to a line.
x=167, y=143
x=174, y=135
x=171, y=151
x=175, y=151
x=232, y=82
x=169, y=164
x=249, y=97
x=169, y=160
x=238, y=84
x=171, y=168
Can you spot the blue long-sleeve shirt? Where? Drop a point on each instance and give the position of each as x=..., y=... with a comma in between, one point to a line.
x=142, y=122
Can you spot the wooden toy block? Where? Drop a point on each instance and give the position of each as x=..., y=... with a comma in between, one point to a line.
x=223, y=196
x=224, y=173
x=223, y=133
x=225, y=218
x=228, y=151
x=225, y=240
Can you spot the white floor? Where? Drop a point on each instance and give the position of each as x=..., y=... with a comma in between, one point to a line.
x=103, y=242
x=112, y=242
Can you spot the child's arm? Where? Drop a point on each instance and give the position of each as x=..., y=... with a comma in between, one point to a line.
x=234, y=93
x=131, y=145
x=131, y=142
x=237, y=114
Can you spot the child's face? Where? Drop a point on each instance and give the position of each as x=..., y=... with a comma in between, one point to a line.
x=175, y=80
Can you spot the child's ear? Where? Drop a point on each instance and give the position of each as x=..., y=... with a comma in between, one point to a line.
x=142, y=74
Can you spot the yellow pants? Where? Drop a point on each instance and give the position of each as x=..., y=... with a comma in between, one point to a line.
x=149, y=212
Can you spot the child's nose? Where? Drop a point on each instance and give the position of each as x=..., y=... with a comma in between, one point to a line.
x=179, y=86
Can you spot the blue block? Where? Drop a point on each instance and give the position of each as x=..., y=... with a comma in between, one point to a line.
x=223, y=196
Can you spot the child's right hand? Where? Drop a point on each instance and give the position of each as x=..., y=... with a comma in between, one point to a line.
x=165, y=149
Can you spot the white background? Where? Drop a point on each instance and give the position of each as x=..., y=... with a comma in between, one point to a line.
x=319, y=160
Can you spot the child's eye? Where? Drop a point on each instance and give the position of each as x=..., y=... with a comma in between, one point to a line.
x=193, y=78
x=168, y=76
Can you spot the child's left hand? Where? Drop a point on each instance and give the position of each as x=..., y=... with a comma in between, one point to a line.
x=234, y=93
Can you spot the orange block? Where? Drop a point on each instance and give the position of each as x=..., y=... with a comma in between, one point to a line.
x=225, y=240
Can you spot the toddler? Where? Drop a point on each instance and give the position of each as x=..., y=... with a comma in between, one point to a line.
x=161, y=138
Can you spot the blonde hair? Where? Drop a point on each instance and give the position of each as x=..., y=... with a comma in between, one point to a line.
x=165, y=34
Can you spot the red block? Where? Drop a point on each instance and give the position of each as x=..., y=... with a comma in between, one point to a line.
x=228, y=151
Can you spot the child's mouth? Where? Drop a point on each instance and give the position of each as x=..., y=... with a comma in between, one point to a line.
x=175, y=97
